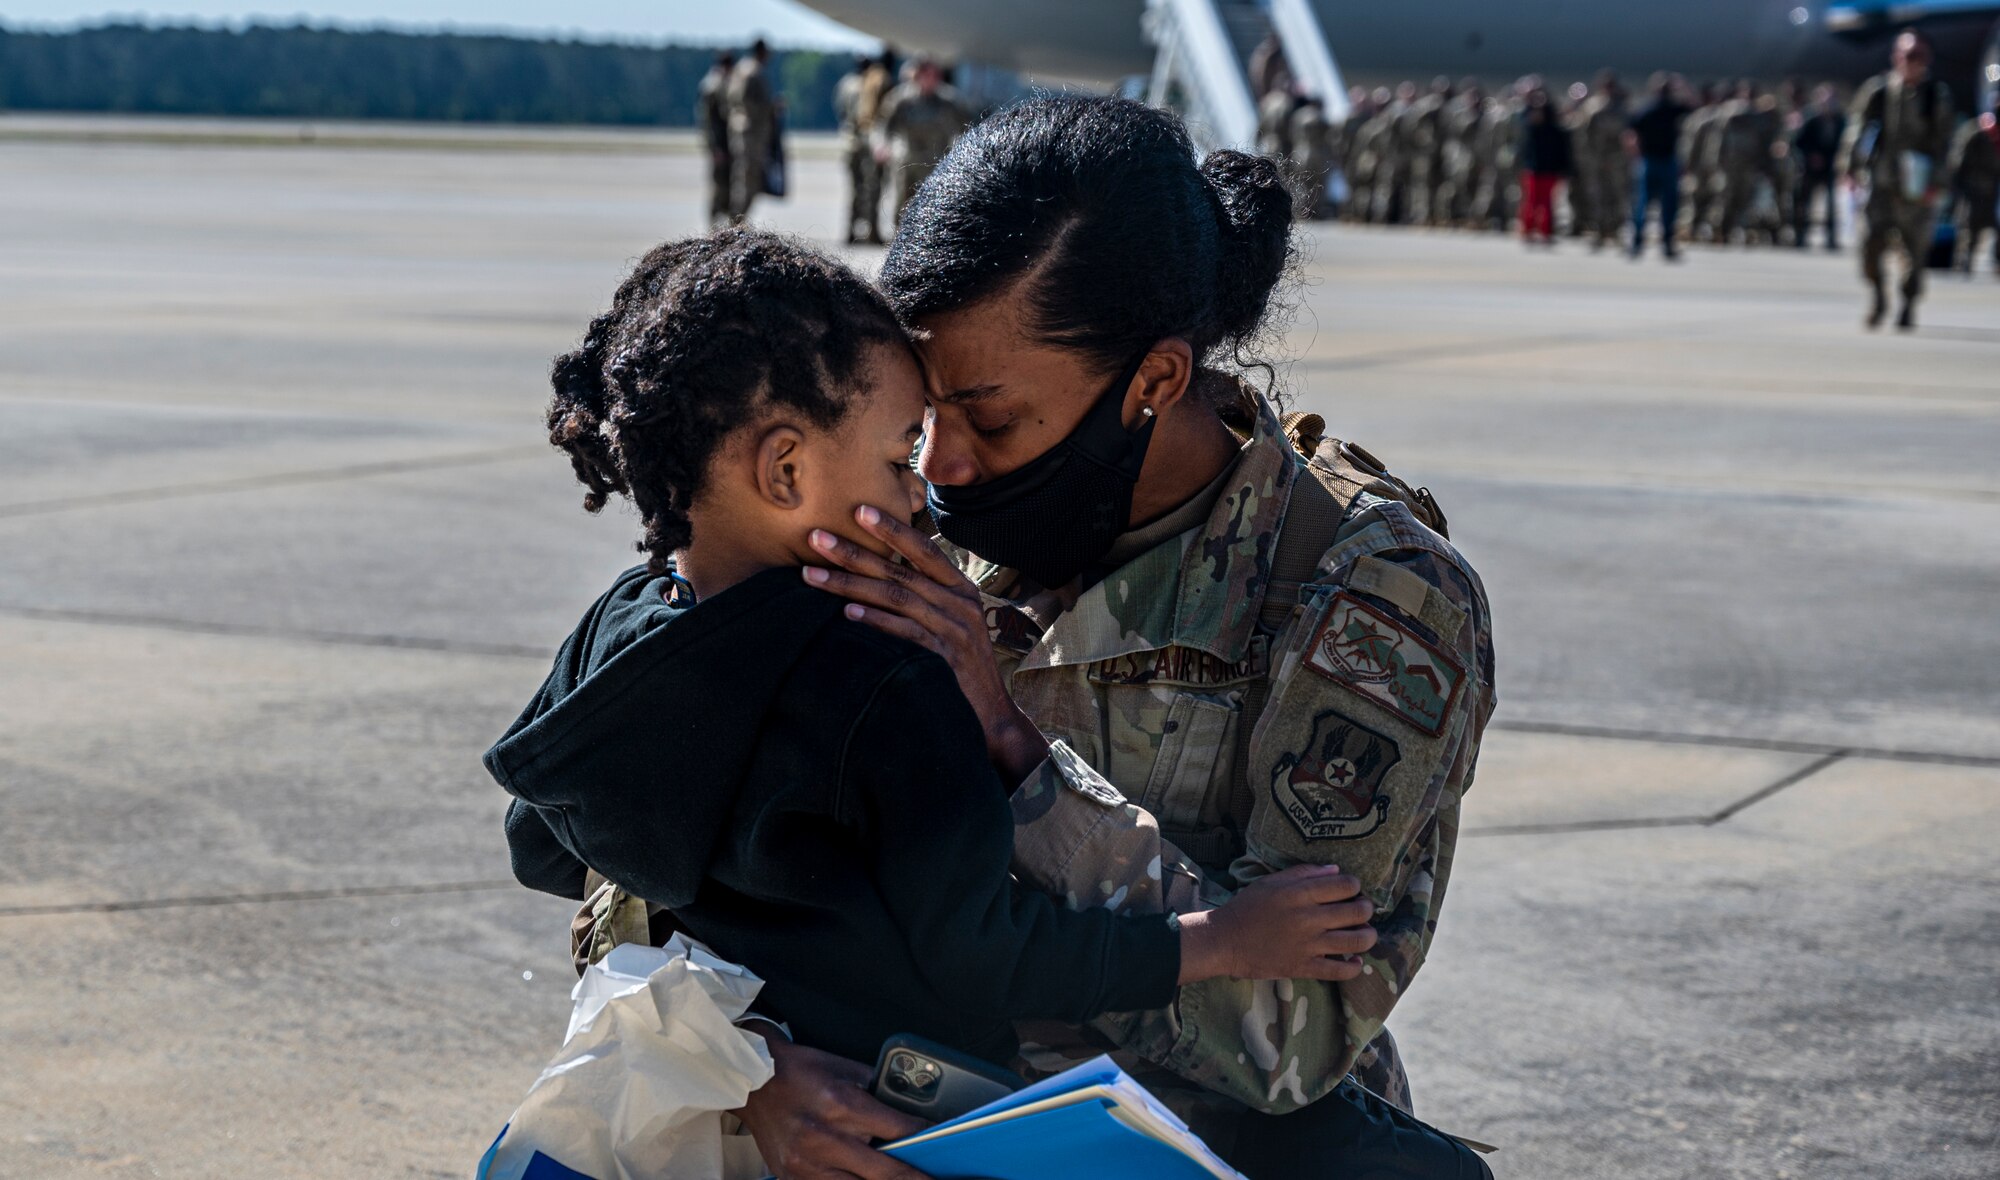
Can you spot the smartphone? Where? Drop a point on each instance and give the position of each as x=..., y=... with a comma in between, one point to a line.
x=933, y=1082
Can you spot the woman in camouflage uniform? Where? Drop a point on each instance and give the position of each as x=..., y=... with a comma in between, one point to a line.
x=1204, y=657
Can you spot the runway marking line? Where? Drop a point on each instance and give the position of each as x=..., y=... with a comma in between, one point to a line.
x=254, y=631
x=216, y=899
x=279, y=479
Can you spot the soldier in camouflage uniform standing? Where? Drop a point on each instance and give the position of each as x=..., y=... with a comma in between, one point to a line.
x=857, y=102
x=1423, y=136
x=1274, y=123
x=1494, y=153
x=711, y=116
x=1315, y=154
x=919, y=121
x=1461, y=153
x=1898, y=135
x=1603, y=169
x=1392, y=158
x=1698, y=184
x=1747, y=157
x=1365, y=129
x=752, y=123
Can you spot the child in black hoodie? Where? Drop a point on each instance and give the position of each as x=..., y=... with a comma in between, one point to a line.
x=807, y=795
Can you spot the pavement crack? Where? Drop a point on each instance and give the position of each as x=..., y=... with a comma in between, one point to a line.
x=264, y=898
x=278, y=479
x=1589, y=825
x=1791, y=780
x=1670, y=821
x=1727, y=741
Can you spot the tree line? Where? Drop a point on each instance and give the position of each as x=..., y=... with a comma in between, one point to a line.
x=297, y=71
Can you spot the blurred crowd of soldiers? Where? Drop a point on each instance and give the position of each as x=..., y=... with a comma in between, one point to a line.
x=1721, y=163
x=1753, y=165
x=894, y=125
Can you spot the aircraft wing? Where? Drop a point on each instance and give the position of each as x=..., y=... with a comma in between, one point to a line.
x=1858, y=16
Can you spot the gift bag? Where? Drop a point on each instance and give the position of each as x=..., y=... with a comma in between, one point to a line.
x=650, y=1066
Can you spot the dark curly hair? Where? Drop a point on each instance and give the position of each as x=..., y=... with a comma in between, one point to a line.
x=1100, y=205
x=704, y=334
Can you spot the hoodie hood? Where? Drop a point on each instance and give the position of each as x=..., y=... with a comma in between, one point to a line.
x=659, y=707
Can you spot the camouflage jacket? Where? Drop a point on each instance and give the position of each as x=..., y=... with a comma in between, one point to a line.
x=1380, y=685
x=1886, y=120
x=1603, y=126
x=918, y=127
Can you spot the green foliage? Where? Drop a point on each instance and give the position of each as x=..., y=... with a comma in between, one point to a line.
x=300, y=72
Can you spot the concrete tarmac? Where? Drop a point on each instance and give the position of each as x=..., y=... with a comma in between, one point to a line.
x=282, y=550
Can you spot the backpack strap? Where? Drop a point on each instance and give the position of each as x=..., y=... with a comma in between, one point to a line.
x=1322, y=494
x=1312, y=520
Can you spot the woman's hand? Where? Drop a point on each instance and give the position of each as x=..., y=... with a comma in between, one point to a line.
x=1300, y=923
x=926, y=600
x=814, y=1119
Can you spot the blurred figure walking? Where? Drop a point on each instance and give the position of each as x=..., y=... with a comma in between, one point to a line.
x=753, y=117
x=1700, y=186
x=1748, y=158
x=1654, y=138
x=1814, y=146
x=711, y=115
x=857, y=102
x=1545, y=161
x=1898, y=134
x=1975, y=179
x=919, y=122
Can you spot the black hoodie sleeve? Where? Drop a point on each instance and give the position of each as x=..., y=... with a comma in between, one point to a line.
x=540, y=860
x=921, y=786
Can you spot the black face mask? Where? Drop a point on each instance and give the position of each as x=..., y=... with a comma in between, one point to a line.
x=1054, y=515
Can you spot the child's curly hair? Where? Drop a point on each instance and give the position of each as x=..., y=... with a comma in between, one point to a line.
x=704, y=334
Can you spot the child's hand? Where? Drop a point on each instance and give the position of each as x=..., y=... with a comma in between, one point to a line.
x=1289, y=925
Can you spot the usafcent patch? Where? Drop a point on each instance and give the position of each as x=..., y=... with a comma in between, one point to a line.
x=1386, y=662
x=1332, y=789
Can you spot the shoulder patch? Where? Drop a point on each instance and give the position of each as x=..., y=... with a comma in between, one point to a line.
x=1386, y=662
x=1391, y=583
x=1332, y=789
x=1009, y=629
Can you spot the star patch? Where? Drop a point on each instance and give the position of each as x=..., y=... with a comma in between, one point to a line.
x=1332, y=790
x=1386, y=662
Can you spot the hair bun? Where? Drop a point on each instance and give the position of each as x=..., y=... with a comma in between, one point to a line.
x=1254, y=214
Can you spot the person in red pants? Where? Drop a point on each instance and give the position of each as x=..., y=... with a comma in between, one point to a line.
x=1545, y=160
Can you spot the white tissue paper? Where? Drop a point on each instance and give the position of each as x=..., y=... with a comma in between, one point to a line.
x=650, y=1065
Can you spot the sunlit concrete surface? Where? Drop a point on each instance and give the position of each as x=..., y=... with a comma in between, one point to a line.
x=281, y=551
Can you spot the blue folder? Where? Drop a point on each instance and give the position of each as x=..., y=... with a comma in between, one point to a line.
x=1084, y=1141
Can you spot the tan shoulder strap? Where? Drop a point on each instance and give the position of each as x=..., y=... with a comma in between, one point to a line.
x=1322, y=494
x=1312, y=520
